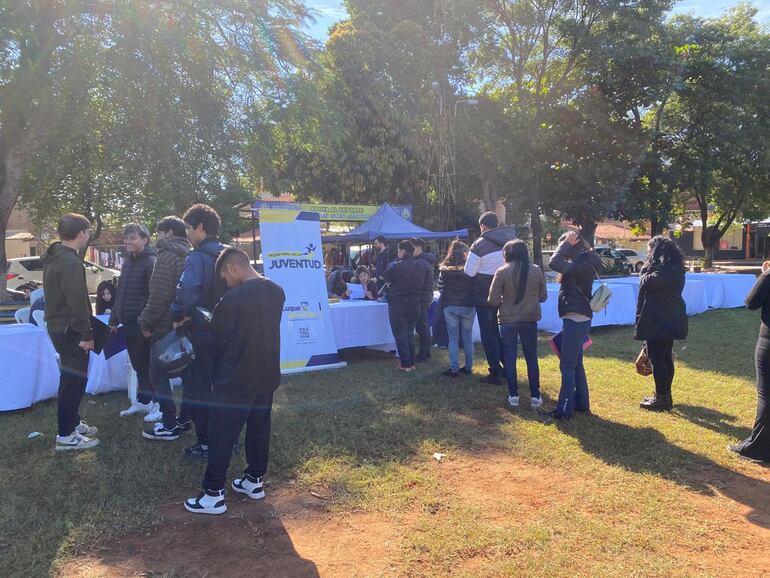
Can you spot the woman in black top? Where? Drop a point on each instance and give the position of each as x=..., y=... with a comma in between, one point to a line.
x=457, y=301
x=757, y=446
x=661, y=315
x=105, y=297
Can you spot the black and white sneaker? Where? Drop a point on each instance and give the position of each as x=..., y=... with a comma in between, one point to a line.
x=161, y=432
x=183, y=426
x=249, y=486
x=75, y=442
x=208, y=502
x=197, y=452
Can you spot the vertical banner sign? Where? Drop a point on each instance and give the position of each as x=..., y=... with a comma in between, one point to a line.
x=291, y=254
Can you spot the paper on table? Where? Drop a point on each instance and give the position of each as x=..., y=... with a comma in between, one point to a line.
x=356, y=291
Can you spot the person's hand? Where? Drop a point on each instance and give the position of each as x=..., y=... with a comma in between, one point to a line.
x=765, y=266
x=147, y=334
x=113, y=328
x=178, y=324
x=347, y=293
x=86, y=345
x=369, y=295
x=572, y=237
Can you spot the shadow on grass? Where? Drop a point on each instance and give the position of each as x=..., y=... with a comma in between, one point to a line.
x=712, y=419
x=645, y=450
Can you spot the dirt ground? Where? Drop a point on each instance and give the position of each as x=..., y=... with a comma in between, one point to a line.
x=292, y=533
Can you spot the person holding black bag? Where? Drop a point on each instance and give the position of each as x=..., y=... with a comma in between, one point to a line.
x=661, y=316
x=757, y=446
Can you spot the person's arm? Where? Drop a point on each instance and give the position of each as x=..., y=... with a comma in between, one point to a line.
x=656, y=279
x=496, y=289
x=222, y=325
x=373, y=290
x=75, y=290
x=391, y=273
x=760, y=292
x=472, y=264
x=559, y=260
x=542, y=289
x=188, y=291
x=113, y=320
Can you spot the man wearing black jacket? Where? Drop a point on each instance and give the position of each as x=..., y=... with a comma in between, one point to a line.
x=246, y=327
x=67, y=315
x=427, y=261
x=132, y=293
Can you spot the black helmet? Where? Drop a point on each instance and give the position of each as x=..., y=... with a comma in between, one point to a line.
x=173, y=352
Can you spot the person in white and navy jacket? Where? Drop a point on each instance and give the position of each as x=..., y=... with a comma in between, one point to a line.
x=486, y=257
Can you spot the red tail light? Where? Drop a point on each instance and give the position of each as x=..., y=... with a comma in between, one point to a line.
x=10, y=276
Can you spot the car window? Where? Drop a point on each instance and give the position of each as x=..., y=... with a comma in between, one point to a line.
x=617, y=254
x=629, y=253
x=32, y=264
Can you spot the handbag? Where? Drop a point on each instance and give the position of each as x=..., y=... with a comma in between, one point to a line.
x=600, y=298
x=642, y=363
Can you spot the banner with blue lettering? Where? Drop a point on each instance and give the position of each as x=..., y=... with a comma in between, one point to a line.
x=291, y=254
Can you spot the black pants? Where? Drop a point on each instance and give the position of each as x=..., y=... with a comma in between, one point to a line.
x=73, y=379
x=757, y=445
x=197, y=382
x=662, y=361
x=403, y=319
x=162, y=388
x=491, y=338
x=227, y=421
x=139, y=353
x=423, y=332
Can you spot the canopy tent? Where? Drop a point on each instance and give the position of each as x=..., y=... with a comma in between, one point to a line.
x=386, y=222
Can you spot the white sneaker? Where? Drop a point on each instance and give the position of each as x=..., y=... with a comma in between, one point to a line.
x=513, y=400
x=154, y=414
x=252, y=488
x=208, y=502
x=536, y=402
x=86, y=430
x=75, y=441
x=136, y=408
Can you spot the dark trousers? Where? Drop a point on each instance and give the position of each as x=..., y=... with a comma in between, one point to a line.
x=72, y=381
x=526, y=331
x=227, y=421
x=423, y=332
x=403, y=320
x=757, y=445
x=197, y=382
x=139, y=353
x=662, y=361
x=573, y=395
x=162, y=389
x=491, y=338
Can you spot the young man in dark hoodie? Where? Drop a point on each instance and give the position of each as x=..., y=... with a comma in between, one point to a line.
x=427, y=261
x=155, y=319
x=132, y=293
x=484, y=258
x=246, y=325
x=67, y=315
x=199, y=286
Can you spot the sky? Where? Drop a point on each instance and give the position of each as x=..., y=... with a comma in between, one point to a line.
x=330, y=11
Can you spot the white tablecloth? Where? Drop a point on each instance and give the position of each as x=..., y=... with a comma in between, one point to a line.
x=359, y=323
x=725, y=290
x=694, y=294
x=27, y=366
x=621, y=309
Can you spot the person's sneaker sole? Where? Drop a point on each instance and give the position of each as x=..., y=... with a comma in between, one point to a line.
x=151, y=436
x=76, y=447
x=245, y=492
x=215, y=511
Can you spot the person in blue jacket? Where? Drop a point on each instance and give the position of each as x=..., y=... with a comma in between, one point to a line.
x=199, y=287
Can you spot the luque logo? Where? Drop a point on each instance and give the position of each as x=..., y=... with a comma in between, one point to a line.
x=295, y=259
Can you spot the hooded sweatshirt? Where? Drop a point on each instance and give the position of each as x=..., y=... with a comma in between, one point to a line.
x=156, y=315
x=66, y=293
x=428, y=262
x=486, y=257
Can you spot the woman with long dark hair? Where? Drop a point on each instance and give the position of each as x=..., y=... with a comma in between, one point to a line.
x=457, y=299
x=518, y=289
x=661, y=316
x=757, y=446
x=578, y=263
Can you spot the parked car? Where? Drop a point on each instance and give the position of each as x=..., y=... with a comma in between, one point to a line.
x=23, y=270
x=636, y=258
x=614, y=262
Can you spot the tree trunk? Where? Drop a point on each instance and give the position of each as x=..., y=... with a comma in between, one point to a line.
x=13, y=167
x=489, y=194
x=654, y=225
x=588, y=231
x=710, y=237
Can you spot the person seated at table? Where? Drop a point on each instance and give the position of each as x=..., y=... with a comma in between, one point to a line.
x=337, y=283
x=407, y=280
x=105, y=298
x=517, y=290
x=370, y=287
x=457, y=300
x=661, y=316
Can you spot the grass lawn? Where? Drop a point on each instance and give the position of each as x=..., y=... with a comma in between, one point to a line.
x=618, y=493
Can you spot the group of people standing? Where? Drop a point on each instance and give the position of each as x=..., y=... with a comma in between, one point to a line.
x=191, y=284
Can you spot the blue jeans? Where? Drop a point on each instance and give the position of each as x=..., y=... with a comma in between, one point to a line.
x=459, y=321
x=526, y=331
x=573, y=395
x=490, y=338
